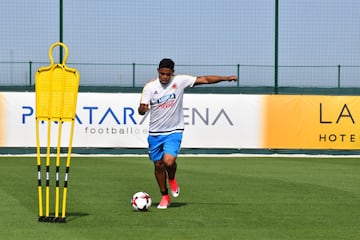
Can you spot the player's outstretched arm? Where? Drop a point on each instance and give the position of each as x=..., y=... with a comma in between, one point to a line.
x=214, y=79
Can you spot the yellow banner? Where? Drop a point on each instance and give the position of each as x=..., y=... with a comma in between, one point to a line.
x=311, y=122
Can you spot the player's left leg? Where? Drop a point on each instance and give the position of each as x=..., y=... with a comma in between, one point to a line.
x=171, y=166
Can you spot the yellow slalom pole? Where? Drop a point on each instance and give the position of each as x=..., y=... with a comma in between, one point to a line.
x=57, y=190
x=68, y=161
x=40, y=197
x=47, y=189
x=64, y=203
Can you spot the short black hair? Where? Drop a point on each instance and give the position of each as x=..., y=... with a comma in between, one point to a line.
x=167, y=63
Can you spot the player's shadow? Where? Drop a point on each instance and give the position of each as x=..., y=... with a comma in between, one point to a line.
x=172, y=205
x=74, y=215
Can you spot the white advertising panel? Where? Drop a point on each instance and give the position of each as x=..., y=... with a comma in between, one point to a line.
x=237, y=121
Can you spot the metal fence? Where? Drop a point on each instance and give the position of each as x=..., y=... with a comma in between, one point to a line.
x=136, y=75
x=270, y=44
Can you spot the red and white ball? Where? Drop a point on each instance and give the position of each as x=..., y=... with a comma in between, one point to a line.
x=141, y=201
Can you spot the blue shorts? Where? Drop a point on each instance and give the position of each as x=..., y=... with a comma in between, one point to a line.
x=160, y=144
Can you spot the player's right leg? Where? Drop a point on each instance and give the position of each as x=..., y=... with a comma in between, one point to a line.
x=156, y=156
x=160, y=175
x=170, y=165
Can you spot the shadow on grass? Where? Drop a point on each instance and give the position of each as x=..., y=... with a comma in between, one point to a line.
x=74, y=215
x=172, y=204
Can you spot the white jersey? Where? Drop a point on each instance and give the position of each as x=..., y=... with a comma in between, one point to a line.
x=166, y=103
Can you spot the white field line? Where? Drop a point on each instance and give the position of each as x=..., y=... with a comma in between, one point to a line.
x=275, y=155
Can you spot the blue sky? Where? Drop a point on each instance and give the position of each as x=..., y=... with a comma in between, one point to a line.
x=311, y=32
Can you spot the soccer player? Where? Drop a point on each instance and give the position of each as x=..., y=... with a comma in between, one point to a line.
x=163, y=98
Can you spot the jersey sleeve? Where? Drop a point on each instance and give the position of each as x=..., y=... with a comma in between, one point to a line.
x=187, y=80
x=145, y=95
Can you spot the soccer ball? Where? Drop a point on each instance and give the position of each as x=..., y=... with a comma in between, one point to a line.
x=141, y=201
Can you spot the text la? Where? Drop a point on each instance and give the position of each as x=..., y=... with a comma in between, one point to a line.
x=343, y=113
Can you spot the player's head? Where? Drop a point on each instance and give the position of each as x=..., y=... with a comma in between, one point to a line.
x=167, y=63
x=166, y=70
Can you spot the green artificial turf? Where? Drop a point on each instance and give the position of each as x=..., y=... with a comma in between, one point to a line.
x=221, y=198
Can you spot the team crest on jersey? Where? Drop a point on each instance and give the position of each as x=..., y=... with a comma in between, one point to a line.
x=174, y=86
